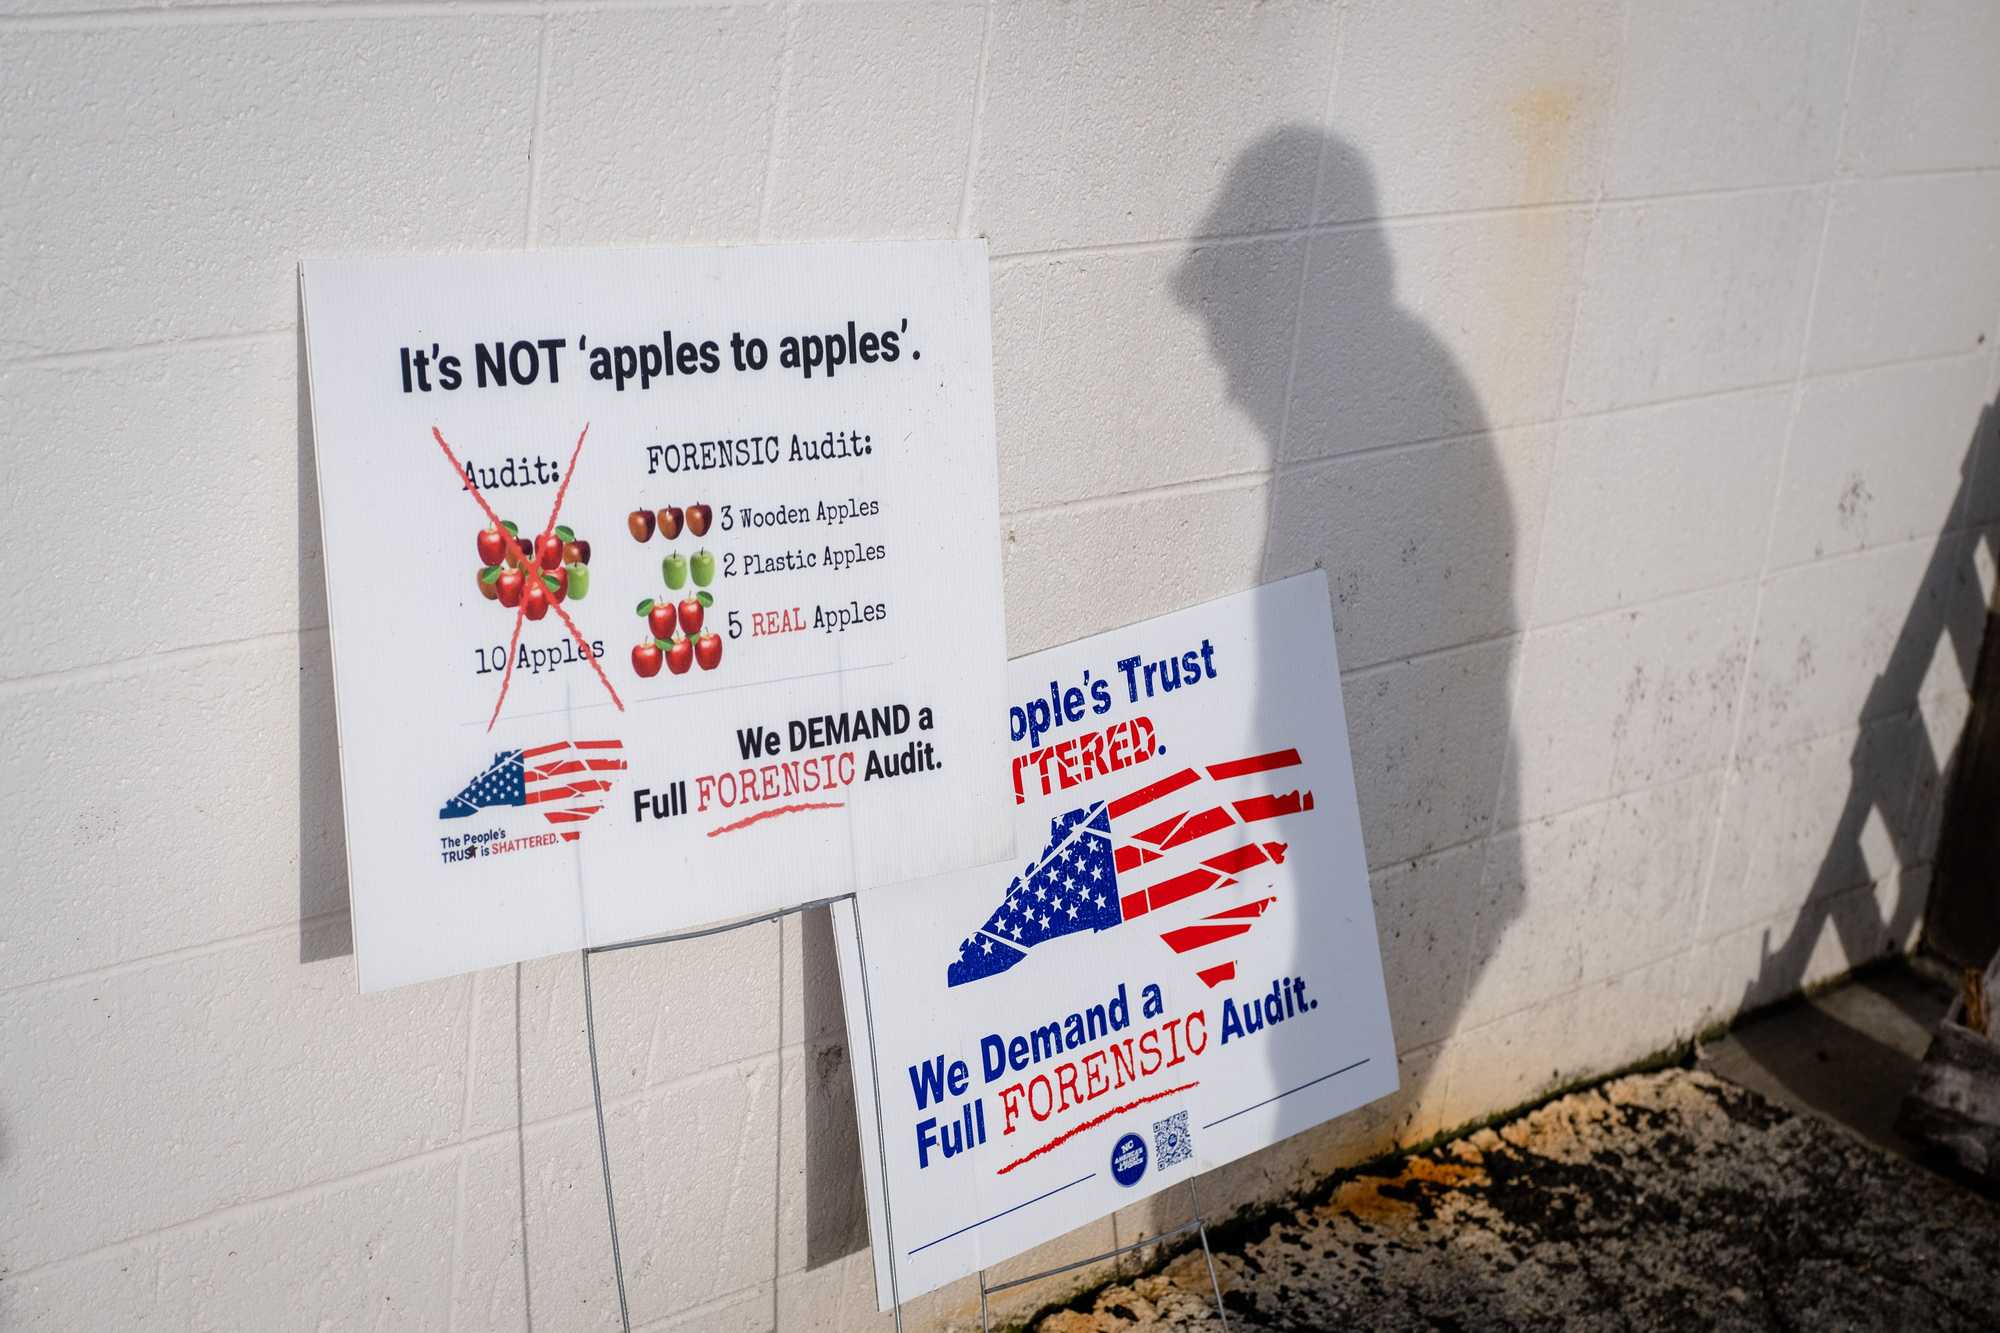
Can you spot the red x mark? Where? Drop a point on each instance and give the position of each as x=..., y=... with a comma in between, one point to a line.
x=514, y=546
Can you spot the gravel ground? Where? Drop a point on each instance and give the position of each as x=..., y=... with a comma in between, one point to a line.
x=1663, y=1200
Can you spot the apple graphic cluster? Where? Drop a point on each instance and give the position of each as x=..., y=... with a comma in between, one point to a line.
x=675, y=637
x=532, y=575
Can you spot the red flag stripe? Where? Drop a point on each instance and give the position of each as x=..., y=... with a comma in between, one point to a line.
x=565, y=793
x=1215, y=976
x=564, y=770
x=1255, y=909
x=1261, y=763
x=1254, y=808
x=1166, y=786
x=1194, y=937
x=1131, y=858
x=1161, y=831
x=1184, y=885
x=1239, y=859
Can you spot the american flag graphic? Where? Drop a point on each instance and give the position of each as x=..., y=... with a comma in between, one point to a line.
x=1075, y=883
x=566, y=781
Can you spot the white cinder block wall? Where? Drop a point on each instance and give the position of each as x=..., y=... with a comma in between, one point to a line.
x=1622, y=365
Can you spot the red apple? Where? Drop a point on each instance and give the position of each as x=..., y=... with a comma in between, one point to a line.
x=698, y=518
x=660, y=620
x=535, y=600
x=670, y=522
x=576, y=552
x=561, y=590
x=509, y=587
x=680, y=655
x=708, y=650
x=646, y=659
x=492, y=545
x=487, y=588
x=690, y=616
x=548, y=550
x=640, y=522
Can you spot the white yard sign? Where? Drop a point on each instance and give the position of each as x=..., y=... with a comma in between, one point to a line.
x=1179, y=967
x=664, y=586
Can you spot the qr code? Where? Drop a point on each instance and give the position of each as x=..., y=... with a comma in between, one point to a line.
x=1172, y=1144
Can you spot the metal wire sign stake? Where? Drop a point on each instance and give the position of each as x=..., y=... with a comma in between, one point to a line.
x=597, y=1086
x=1196, y=1223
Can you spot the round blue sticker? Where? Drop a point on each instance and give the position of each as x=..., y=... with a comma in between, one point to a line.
x=1128, y=1159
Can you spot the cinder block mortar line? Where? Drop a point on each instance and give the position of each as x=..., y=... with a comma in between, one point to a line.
x=1719, y=771
x=704, y=1310
x=456, y=1148
x=774, y=142
x=1976, y=471
x=1389, y=222
x=1291, y=467
x=1304, y=281
x=93, y=975
x=457, y=1236
x=1428, y=855
x=196, y=342
x=334, y=11
x=1246, y=479
x=464, y=1119
x=1781, y=920
x=531, y=225
x=165, y=659
x=1685, y=949
x=978, y=126
x=1741, y=707
x=1514, y=682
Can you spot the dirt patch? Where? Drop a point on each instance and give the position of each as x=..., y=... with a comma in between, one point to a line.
x=1664, y=1200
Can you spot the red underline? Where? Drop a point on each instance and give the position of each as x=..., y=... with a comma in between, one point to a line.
x=1094, y=1121
x=776, y=811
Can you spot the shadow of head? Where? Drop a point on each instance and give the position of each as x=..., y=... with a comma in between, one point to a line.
x=1246, y=287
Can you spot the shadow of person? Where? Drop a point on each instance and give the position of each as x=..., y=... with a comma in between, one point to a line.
x=1383, y=473
x=1899, y=778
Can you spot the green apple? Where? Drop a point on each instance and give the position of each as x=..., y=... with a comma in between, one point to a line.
x=703, y=566
x=579, y=581
x=674, y=569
